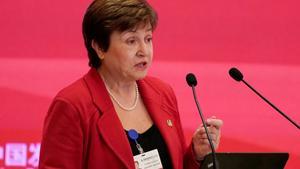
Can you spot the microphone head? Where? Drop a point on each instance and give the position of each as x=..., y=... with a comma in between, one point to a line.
x=236, y=74
x=191, y=79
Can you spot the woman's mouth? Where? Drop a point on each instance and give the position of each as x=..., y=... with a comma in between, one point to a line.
x=141, y=65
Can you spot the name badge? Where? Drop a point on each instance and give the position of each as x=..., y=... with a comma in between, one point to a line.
x=148, y=160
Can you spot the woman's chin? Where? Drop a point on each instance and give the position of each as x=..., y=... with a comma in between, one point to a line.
x=141, y=75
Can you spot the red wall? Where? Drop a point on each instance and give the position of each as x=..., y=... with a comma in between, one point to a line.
x=41, y=51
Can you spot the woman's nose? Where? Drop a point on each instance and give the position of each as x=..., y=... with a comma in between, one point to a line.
x=144, y=49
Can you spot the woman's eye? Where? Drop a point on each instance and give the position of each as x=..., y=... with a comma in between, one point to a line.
x=131, y=41
x=149, y=39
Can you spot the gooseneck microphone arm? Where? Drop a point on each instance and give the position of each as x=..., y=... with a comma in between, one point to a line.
x=192, y=82
x=206, y=131
x=272, y=105
x=237, y=75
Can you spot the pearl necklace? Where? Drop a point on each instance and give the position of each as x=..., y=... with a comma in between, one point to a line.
x=137, y=94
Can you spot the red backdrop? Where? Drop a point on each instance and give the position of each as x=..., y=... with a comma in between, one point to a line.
x=41, y=51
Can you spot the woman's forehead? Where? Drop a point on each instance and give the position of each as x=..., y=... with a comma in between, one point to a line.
x=141, y=26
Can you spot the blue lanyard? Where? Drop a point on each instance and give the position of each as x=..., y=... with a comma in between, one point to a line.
x=134, y=135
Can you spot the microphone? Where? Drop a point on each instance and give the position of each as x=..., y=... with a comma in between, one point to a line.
x=238, y=76
x=192, y=82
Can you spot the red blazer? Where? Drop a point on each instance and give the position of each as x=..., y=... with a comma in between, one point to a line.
x=83, y=131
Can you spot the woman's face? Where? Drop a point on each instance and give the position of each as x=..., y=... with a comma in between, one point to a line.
x=130, y=53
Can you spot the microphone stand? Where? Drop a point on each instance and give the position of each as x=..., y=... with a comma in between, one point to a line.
x=272, y=105
x=214, y=157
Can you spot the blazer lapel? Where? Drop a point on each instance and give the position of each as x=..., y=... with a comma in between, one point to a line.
x=109, y=125
x=164, y=120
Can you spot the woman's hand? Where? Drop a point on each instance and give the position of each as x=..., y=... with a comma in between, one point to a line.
x=201, y=145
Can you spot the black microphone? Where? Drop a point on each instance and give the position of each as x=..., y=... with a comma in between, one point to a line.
x=192, y=82
x=238, y=76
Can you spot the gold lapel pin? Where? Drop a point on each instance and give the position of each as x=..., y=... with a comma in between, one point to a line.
x=169, y=123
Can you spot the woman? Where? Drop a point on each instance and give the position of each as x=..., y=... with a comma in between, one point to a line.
x=115, y=113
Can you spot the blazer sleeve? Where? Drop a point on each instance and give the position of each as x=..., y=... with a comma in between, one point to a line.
x=62, y=143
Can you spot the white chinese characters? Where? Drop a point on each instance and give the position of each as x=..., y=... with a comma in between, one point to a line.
x=35, y=150
x=20, y=155
x=16, y=154
x=1, y=153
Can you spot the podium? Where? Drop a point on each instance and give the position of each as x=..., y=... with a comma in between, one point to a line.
x=234, y=160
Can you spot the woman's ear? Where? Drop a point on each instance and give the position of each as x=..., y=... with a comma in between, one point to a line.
x=97, y=49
